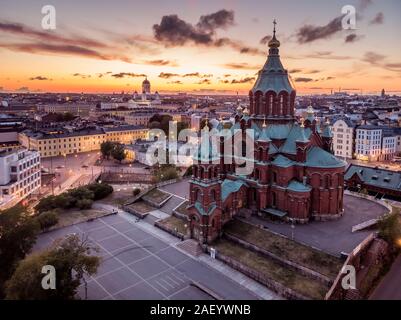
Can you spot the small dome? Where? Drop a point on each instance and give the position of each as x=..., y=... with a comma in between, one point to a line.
x=274, y=43
x=146, y=81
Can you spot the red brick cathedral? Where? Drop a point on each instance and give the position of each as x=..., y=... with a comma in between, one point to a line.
x=295, y=176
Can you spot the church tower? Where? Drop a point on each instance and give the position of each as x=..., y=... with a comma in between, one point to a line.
x=273, y=96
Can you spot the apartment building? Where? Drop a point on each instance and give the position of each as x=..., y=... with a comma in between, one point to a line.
x=19, y=175
x=64, y=143
x=374, y=143
x=344, y=138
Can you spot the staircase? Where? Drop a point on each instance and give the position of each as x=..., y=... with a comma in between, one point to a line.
x=191, y=247
x=171, y=204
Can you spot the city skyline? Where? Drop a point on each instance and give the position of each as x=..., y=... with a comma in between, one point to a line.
x=116, y=47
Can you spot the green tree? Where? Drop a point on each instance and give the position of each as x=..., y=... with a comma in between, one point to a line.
x=72, y=259
x=118, y=152
x=84, y=204
x=100, y=190
x=18, y=233
x=81, y=193
x=48, y=219
x=136, y=191
x=389, y=227
x=106, y=149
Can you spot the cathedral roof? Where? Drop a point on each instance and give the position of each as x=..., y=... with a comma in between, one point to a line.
x=298, y=186
x=318, y=158
x=230, y=186
x=273, y=76
x=283, y=162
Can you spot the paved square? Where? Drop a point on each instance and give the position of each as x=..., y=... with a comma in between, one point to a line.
x=139, y=266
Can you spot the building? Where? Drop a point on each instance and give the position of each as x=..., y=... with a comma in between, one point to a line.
x=374, y=180
x=19, y=176
x=74, y=108
x=146, y=86
x=373, y=143
x=344, y=138
x=56, y=143
x=295, y=176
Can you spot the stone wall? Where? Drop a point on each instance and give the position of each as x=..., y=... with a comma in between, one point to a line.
x=284, y=262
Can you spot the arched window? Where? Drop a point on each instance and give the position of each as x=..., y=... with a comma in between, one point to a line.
x=274, y=200
x=327, y=181
x=274, y=177
x=260, y=154
x=281, y=105
x=212, y=195
x=198, y=195
x=243, y=148
x=213, y=224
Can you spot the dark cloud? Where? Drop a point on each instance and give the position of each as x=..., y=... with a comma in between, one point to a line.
x=326, y=55
x=224, y=81
x=265, y=40
x=173, y=31
x=220, y=19
x=310, y=33
x=197, y=75
x=352, y=38
x=330, y=78
x=378, y=19
x=393, y=65
x=295, y=71
x=241, y=66
x=40, y=78
x=238, y=46
x=175, y=82
x=161, y=62
x=83, y=76
x=21, y=29
x=244, y=80
x=301, y=79
x=373, y=57
x=204, y=81
x=168, y=75
x=47, y=48
x=227, y=75
x=128, y=75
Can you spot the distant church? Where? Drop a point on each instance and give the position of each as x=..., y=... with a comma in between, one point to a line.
x=295, y=178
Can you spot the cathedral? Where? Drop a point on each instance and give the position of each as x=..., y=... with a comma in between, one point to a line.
x=295, y=176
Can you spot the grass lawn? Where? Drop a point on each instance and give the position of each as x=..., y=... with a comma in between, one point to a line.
x=141, y=207
x=173, y=222
x=118, y=197
x=268, y=267
x=183, y=208
x=74, y=216
x=156, y=196
x=321, y=262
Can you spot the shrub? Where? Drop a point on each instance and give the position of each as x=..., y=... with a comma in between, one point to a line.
x=100, y=190
x=81, y=193
x=48, y=219
x=83, y=204
x=389, y=227
x=136, y=191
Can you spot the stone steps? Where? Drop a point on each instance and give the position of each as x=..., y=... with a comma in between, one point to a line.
x=191, y=247
x=171, y=204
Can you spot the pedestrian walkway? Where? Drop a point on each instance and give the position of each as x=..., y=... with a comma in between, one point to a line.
x=253, y=286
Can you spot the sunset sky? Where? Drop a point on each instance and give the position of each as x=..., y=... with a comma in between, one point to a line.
x=192, y=45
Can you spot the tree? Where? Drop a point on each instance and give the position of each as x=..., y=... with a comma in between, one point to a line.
x=136, y=191
x=18, y=233
x=84, y=204
x=81, y=193
x=100, y=190
x=118, y=152
x=48, y=219
x=106, y=148
x=389, y=227
x=72, y=259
